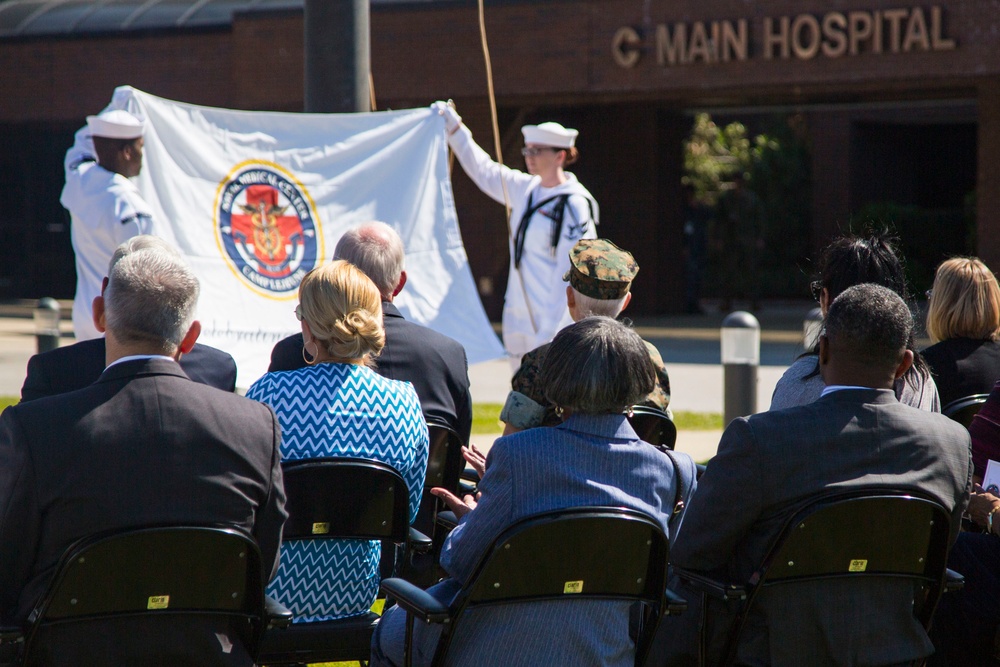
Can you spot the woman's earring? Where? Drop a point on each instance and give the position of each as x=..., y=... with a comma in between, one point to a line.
x=559, y=412
x=305, y=351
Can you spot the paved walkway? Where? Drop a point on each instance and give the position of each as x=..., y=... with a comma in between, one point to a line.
x=689, y=345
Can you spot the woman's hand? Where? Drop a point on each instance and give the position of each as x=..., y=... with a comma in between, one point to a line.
x=460, y=506
x=476, y=459
x=451, y=118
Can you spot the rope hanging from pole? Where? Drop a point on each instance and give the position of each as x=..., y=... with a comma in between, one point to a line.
x=499, y=152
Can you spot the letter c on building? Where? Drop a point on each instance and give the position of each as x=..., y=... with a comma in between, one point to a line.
x=626, y=46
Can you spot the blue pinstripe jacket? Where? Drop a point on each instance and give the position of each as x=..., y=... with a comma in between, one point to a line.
x=588, y=460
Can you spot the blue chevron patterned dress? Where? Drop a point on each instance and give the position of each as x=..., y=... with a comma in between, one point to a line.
x=341, y=410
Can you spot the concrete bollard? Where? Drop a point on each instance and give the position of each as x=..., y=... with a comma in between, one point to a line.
x=46, y=318
x=740, y=359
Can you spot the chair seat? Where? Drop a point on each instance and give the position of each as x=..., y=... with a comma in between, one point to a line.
x=322, y=641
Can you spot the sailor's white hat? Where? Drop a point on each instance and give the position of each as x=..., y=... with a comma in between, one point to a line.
x=549, y=134
x=115, y=124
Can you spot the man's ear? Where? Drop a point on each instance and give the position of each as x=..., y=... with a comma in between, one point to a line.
x=401, y=284
x=104, y=285
x=626, y=301
x=570, y=297
x=905, y=364
x=824, y=351
x=97, y=311
x=190, y=338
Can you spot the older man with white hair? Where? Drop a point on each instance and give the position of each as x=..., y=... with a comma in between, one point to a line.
x=600, y=280
x=142, y=446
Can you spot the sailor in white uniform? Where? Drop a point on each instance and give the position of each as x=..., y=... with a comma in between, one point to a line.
x=105, y=206
x=550, y=212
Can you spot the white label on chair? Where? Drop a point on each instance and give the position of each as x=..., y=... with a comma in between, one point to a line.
x=573, y=587
x=227, y=646
x=321, y=528
x=858, y=566
x=158, y=602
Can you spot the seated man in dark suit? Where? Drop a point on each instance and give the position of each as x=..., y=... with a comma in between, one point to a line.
x=434, y=364
x=75, y=366
x=143, y=445
x=856, y=434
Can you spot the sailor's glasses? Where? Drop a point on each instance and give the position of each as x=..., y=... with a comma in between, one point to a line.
x=534, y=152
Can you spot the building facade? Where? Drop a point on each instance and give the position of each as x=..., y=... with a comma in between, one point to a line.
x=901, y=103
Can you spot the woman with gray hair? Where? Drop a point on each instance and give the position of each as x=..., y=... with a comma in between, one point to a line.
x=594, y=370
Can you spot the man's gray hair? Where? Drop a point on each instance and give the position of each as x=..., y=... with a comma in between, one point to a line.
x=377, y=250
x=871, y=323
x=597, y=366
x=151, y=298
x=141, y=242
x=588, y=306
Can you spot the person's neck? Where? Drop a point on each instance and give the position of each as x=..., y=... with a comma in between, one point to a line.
x=834, y=379
x=554, y=179
x=113, y=350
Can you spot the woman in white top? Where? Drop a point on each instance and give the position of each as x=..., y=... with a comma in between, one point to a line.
x=550, y=212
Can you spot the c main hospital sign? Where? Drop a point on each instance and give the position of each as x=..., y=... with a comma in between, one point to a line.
x=803, y=37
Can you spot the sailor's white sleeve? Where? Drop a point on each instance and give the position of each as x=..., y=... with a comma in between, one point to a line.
x=484, y=172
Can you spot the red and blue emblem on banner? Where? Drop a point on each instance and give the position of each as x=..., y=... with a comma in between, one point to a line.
x=267, y=228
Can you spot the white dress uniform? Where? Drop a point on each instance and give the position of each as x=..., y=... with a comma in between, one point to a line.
x=542, y=265
x=106, y=210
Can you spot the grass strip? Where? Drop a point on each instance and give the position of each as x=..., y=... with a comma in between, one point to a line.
x=486, y=419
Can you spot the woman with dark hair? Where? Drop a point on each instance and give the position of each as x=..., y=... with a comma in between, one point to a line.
x=848, y=261
x=550, y=212
x=963, y=321
x=594, y=369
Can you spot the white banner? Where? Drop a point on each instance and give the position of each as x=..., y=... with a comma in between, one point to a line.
x=211, y=176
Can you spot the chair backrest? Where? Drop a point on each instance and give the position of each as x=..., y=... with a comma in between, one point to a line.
x=588, y=552
x=867, y=532
x=171, y=570
x=345, y=498
x=444, y=468
x=653, y=425
x=964, y=409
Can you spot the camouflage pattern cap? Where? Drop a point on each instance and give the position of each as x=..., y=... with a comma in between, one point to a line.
x=600, y=269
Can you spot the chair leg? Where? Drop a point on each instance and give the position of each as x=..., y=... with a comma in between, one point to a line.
x=408, y=645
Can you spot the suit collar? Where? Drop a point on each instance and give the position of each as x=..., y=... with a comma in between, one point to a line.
x=141, y=367
x=880, y=396
x=606, y=426
x=390, y=310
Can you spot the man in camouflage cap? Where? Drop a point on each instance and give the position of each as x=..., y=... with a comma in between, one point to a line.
x=600, y=277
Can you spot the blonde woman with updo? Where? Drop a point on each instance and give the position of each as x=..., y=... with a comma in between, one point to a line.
x=319, y=407
x=963, y=320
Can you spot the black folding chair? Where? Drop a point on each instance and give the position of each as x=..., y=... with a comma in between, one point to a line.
x=155, y=576
x=653, y=425
x=963, y=410
x=606, y=553
x=868, y=532
x=444, y=468
x=340, y=498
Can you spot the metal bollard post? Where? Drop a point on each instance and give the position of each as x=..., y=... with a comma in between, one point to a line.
x=740, y=359
x=47, y=324
x=811, y=327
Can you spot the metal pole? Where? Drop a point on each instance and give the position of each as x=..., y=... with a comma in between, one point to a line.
x=337, y=56
x=46, y=318
x=740, y=359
